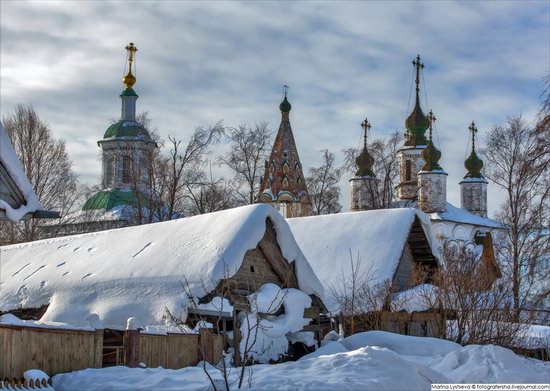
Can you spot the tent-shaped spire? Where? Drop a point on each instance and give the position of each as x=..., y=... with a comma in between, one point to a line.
x=283, y=179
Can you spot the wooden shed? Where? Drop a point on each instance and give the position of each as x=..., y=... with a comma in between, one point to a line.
x=169, y=277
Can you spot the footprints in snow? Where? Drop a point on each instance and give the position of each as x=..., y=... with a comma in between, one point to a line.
x=17, y=272
x=140, y=251
x=34, y=272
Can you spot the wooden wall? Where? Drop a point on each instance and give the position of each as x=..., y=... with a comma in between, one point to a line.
x=175, y=350
x=53, y=351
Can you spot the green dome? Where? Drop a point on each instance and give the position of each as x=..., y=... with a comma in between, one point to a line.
x=124, y=128
x=474, y=165
x=364, y=164
x=416, y=123
x=109, y=199
x=431, y=156
x=285, y=106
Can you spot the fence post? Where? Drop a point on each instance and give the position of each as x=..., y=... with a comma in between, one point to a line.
x=206, y=344
x=131, y=348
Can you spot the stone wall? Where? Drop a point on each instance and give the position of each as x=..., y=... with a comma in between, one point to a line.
x=408, y=172
x=364, y=193
x=432, y=194
x=473, y=196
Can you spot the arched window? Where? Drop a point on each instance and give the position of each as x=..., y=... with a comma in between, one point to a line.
x=286, y=167
x=126, y=169
x=285, y=182
x=408, y=170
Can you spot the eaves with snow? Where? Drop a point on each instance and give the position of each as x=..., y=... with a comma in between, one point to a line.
x=139, y=271
x=387, y=243
x=17, y=197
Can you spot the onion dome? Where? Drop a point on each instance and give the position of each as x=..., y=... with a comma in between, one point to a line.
x=365, y=160
x=417, y=123
x=364, y=164
x=285, y=105
x=431, y=154
x=473, y=163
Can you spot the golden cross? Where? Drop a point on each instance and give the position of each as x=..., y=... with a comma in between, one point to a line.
x=131, y=52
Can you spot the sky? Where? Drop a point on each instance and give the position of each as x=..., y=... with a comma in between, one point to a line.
x=200, y=62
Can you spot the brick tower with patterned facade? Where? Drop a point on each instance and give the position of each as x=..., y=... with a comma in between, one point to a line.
x=283, y=185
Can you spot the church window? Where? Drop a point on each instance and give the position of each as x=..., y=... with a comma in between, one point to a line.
x=108, y=169
x=285, y=182
x=408, y=170
x=286, y=168
x=126, y=169
x=272, y=166
x=299, y=180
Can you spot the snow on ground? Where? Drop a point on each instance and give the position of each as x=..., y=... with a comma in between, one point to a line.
x=366, y=361
x=101, y=274
x=376, y=237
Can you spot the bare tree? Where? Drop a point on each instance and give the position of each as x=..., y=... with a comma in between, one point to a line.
x=475, y=311
x=48, y=167
x=518, y=165
x=386, y=167
x=249, y=150
x=323, y=188
x=211, y=195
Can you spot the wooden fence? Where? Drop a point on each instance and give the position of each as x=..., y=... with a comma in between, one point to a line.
x=51, y=350
x=417, y=324
x=59, y=350
x=24, y=385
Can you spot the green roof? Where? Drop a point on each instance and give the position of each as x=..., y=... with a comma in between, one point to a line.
x=285, y=106
x=109, y=199
x=124, y=128
x=128, y=92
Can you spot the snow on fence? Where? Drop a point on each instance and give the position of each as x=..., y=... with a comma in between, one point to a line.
x=22, y=384
x=51, y=350
x=64, y=350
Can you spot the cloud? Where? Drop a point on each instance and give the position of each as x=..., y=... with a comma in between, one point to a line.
x=200, y=62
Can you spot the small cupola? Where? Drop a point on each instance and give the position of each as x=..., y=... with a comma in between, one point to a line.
x=473, y=163
x=431, y=154
x=365, y=160
x=417, y=123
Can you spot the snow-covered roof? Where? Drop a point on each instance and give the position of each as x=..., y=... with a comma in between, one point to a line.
x=460, y=215
x=139, y=271
x=11, y=163
x=377, y=237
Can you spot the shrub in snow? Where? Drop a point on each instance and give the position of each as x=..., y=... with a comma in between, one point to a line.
x=263, y=334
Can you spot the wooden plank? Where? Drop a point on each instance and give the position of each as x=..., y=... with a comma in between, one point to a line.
x=312, y=327
x=311, y=313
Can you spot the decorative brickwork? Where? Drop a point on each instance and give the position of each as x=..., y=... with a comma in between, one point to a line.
x=283, y=185
x=410, y=163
